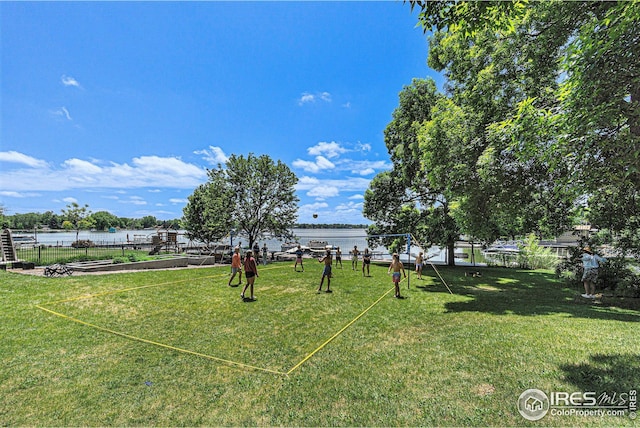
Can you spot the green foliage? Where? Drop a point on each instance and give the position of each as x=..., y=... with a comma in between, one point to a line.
x=254, y=194
x=103, y=220
x=550, y=93
x=618, y=274
x=411, y=198
x=83, y=243
x=148, y=221
x=130, y=258
x=45, y=256
x=100, y=220
x=208, y=214
x=401, y=134
x=532, y=255
x=467, y=17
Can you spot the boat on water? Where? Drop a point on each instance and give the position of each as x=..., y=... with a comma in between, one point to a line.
x=304, y=248
x=24, y=241
x=317, y=245
x=314, y=246
x=286, y=246
x=500, y=248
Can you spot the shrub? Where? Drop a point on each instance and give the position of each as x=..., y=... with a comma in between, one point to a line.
x=618, y=274
x=534, y=256
x=82, y=243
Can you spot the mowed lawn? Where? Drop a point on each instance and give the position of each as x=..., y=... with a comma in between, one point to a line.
x=179, y=347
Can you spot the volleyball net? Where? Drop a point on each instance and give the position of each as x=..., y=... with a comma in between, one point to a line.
x=380, y=246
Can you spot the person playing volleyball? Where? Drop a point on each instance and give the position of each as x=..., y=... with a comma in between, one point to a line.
x=419, y=263
x=354, y=257
x=250, y=272
x=397, y=267
x=236, y=266
x=299, y=253
x=339, y=257
x=366, y=262
x=327, y=260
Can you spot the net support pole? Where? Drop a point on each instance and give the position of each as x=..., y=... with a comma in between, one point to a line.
x=408, y=259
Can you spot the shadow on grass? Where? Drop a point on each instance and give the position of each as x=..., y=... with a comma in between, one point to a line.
x=617, y=373
x=502, y=291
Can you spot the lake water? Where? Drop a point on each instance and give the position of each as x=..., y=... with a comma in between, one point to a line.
x=343, y=238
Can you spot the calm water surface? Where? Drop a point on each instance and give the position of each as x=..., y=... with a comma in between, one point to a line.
x=343, y=238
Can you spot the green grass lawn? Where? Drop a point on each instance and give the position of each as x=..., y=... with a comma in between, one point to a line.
x=179, y=347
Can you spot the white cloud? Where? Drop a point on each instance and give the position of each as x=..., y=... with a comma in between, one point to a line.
x=331, y=150
x=17, y=157
x=307, y=97
x=322, y=192
x=305, y=181
x=159, y=166
x=363, y=167
x=134, y=200
x=307, y=209
x=351, y=207
x=70, y=200
x=178, y=201
x=79, y=166
x=363, y=147
x=62, y=112
x=12, y=194
x=356, y=197
x=347, y=184
x=69, y=81
x=145, y=171
x=213, y=155
x=66, y=113
x=321, y=164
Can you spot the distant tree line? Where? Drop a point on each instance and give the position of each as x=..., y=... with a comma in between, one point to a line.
x=101, y=220
x=104, y=220
x=329, y=226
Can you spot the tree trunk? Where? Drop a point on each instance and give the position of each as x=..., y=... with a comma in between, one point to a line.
x=451, y=254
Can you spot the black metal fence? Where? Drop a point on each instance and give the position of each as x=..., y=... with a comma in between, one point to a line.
x=44, y=255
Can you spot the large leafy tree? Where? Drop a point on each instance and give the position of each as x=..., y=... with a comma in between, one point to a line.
x=252, y=194
x=404, y=200
x=77, y=217
x=103, y=220
x=208, y=213
x=508, y=188
x=551, y=92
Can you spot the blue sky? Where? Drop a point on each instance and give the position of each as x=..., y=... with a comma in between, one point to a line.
x=124, y=105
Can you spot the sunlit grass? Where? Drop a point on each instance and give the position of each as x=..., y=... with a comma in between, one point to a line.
x=433, y=358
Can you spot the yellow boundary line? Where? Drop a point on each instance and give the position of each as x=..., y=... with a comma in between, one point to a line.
x=186, y=351
x=162, y=345
x=304, y=360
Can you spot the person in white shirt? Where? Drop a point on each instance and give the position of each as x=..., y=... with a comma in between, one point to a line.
x=590, y=263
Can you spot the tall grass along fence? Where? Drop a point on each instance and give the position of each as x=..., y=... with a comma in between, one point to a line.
x=44, y=255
